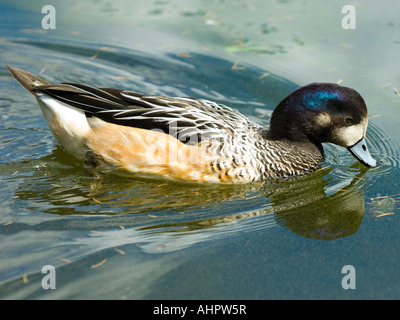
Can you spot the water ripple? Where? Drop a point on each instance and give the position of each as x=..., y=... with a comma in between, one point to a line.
x=384, y=148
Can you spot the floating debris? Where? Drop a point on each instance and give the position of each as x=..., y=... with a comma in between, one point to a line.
x=119, y=77
x=370, y=116
x=162, y=185
x=162, y=246
x=385, y=214
x=268, y=49
x=211, y=22
x=236, y=67
x=184, y=55
x=298, y=41
x=99, y=264
x=382, y=206
x=37, y=30
x=346, y=45
x=107, y=49
x=119, y=251
x=396, y=91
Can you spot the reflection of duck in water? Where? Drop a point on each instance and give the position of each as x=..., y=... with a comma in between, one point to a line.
x=300, y=205
x=196, y=139
x=304, y=207
x=311, y=206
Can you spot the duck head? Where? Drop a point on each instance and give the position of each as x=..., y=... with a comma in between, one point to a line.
x=324, y=112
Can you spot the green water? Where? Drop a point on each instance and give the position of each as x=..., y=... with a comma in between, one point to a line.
x=125, y=238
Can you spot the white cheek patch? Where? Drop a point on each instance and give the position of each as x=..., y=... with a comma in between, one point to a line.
x=323, y=119
x=349, y=136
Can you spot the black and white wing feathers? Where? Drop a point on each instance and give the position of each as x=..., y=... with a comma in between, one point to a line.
x=188, y=119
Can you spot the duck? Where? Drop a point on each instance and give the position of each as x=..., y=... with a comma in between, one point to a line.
x=198, y=140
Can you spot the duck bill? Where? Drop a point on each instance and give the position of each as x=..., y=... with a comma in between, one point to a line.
x=361, y=153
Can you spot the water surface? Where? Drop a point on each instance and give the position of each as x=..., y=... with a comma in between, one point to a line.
x=135, y=238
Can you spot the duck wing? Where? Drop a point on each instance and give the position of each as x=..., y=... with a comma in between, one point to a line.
x=190, y=120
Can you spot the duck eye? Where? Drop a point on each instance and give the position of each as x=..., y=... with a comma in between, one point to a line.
x=348, y=121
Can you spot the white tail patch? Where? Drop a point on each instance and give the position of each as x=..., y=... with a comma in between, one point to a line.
x=69, y=125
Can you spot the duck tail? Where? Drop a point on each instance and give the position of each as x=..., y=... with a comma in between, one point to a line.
x=26, y=79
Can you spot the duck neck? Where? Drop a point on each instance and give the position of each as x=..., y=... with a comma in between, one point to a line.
x=285, y=157
x=293, y=138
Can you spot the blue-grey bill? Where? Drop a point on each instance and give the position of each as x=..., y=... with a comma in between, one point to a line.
x=360, y=151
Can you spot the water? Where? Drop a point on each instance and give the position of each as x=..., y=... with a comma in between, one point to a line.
x=125, y=238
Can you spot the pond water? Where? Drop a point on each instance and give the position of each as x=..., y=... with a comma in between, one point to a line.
x=126, y=238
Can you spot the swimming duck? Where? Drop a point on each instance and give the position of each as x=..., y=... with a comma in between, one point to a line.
x=197, y=139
